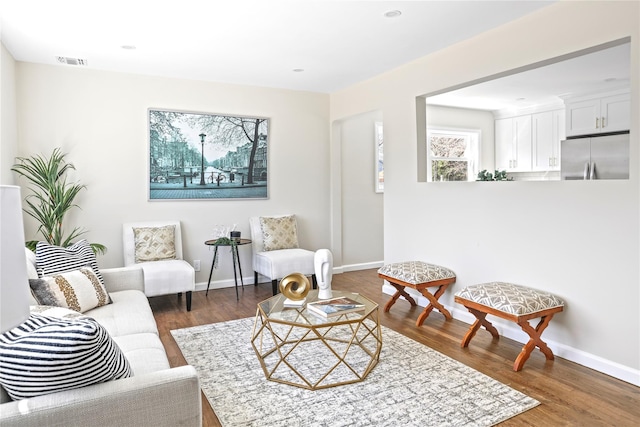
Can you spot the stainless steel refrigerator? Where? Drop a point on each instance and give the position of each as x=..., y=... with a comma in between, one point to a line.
x=595, y=157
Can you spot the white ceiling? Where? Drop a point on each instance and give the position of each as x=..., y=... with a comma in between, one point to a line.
x=251, y=42
x=598, y=70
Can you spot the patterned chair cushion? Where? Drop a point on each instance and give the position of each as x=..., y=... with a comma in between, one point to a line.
x=416, y=272
x=510, y=298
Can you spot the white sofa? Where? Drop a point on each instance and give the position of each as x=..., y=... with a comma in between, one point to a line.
x=156, y=394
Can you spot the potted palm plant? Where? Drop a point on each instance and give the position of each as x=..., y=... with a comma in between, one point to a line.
x=51, y=198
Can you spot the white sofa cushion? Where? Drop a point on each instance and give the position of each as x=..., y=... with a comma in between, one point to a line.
x=144, y=352
x=130, y=313
x=47, y=354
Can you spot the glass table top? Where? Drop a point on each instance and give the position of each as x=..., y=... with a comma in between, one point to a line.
x=274, y=309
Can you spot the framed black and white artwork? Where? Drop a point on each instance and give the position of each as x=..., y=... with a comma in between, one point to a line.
x=207, y=156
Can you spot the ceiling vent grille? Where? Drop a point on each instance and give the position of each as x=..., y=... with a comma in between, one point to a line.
x=71, y=61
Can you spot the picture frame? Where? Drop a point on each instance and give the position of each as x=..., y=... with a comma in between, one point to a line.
x=206, y=156
x=379, y=158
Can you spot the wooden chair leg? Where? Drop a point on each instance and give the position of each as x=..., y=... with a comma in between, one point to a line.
x=255, y=278
x=189, y=300
x=274, y=286
x=314, y=281
x=535, y=341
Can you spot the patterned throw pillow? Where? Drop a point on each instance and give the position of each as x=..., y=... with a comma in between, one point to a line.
x=279, y=232
x=78, y=290
x=56, y=259
x=46, y=354
x=155, y=243
x=57, y=312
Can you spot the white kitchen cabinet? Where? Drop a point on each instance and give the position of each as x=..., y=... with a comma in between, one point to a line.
x=548, y=130
x=601, y=114
x=513, y=139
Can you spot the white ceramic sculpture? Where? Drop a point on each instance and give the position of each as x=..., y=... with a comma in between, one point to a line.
x=323, y=266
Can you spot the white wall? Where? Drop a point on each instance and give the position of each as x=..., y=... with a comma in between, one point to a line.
x=362, y=207
x=8, y=125
x=579, y=240
x=100, y=120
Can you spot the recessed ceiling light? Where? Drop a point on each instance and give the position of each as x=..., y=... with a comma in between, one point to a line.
x=392, y=14
x=128, y=47
x=298, y=70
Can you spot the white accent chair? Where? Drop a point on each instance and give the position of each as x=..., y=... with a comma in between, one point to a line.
x=276, y=264
x=161, y=277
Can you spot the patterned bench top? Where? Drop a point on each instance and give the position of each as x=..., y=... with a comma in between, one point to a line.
x=509, y=298
x=416, y=272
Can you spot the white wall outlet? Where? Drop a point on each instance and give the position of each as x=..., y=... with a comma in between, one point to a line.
x=196, y=264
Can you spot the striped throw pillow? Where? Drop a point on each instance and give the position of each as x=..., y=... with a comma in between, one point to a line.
x=52, y=259
x=46, y=354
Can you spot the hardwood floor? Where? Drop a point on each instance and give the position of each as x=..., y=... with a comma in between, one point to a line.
x=570, y=394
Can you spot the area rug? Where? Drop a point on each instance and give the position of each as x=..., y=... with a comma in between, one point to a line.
x=412, y=385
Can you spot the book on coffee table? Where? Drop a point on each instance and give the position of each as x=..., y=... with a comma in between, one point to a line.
x=289, y=303
x=335, y=307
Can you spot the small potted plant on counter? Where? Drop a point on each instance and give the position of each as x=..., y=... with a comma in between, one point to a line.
x=483, y=175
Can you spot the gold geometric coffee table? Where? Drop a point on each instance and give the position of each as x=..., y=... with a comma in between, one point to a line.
x=302, y=349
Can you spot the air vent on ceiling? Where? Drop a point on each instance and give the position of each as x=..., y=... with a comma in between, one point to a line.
x=71, y=61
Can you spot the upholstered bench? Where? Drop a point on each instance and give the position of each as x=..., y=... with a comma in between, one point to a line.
x=418, y=275
x=512, y=302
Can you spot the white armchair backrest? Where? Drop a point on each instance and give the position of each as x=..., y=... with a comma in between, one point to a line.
x=32, y=272
x=257, y=242
x=128, y=238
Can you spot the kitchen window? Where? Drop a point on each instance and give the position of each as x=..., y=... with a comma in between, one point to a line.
x=452, y=154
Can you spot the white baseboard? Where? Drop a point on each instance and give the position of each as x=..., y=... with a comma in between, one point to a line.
x=230, y=283
x=509, y=330
x=362, y=266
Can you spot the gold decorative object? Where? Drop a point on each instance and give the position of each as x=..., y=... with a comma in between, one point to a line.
x=295, y=286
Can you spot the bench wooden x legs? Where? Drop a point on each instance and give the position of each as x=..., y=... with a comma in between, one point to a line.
x=433, y=302
x=399, y=292
x=481, y=320
x=480, y=311
x=534, y=342
x=400, y=286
